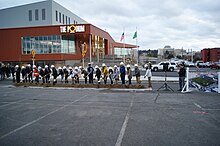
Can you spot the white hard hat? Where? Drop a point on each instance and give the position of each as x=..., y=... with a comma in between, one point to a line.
x=89, y=63
x=64, y=67
x=121, y=63
x=128, y=65
x=52, y=66
x=115, y=66
x=16, y=66
x=80, y=67
x=103, y=64
x=46, y=66
x=76, y=68
x=59, y=67
x=136, y=65
x=70, y=67
x=145, y=65
x=39, y=67
x=29, y=65
x=34, y=66
x=96, y=66
x=22, y=67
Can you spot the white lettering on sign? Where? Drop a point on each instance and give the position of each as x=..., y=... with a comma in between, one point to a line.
x=72, y=29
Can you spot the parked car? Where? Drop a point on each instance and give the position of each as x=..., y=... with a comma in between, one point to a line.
x=200, y=64
x=215, y=65
x=160, y=66
x=189, y=64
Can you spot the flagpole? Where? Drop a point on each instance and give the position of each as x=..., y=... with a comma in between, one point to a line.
x=124, y=45
x=137, y=48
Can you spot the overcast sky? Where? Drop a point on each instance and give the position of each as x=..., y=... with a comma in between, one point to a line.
x=191, y=24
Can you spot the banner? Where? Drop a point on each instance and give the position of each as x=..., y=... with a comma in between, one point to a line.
x=204, y=81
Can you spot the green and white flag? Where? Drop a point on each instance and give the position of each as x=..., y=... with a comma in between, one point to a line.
x=135, y=35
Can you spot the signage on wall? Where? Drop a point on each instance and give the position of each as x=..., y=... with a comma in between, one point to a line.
x=72, y=29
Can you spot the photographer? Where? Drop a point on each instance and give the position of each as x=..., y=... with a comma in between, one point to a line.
x=182, y=75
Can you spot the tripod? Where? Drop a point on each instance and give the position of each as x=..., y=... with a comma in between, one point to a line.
x=165, y=86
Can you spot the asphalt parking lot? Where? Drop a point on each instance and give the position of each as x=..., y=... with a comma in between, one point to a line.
x=103, y=117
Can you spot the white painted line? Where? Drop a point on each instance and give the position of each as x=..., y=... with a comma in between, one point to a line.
x=11, y=103
x=124, y=126
x=42, y=117
x=199, y=106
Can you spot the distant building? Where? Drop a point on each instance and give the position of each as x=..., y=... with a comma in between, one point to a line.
x=163, y=53
x=211, y=54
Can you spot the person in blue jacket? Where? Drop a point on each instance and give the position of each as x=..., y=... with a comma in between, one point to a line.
x=122, y=72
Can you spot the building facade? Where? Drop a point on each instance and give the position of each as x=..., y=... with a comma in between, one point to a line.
x=56, y=35
x=211, y=54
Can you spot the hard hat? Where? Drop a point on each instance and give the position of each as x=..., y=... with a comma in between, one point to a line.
x=52, y=66
x=96, y=66
x=22, y=67
x=80, y=67
x=136, y=65
x=29, y=65
x=145, y=65
x=70, y=67
x=59, y=67
x=76, y=68
x=34, y=66
x=110, y=68
x=128, y=65
x=89, y=63
x=115, y=66
x=103, y=64
x=39, y=67
x=64, y=67
x=16, y=66
x=46, y=66
x=121, y=63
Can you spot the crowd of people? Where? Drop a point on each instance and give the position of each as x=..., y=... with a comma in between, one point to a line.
x=103, y=74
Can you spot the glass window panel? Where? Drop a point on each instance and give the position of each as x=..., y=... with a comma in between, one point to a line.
x=43, y=14
x=30, y=15
x=56, y=16
x=59, y=17
x=36, y=14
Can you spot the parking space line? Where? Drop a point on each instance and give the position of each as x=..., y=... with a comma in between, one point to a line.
x=40, y=118
x=124, y=126
x=11, y=103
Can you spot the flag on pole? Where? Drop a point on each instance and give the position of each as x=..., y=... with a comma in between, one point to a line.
x=135, y=35
x=122, y=36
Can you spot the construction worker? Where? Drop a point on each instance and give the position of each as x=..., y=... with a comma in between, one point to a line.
x=111, y=74
x=47, y=72
x=90, y=71
x=98, y=74
x=36, y=74
x=129, y=74
x=18, y=73
x=41, y=74
x=24, y=74
x=29, y=73
x=122, y=72
x=137, y=73
x=116, y=74
x=66, y=74
x=54, y=74
x=104, y=73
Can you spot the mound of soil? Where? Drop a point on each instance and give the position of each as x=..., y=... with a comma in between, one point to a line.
x=135, y=86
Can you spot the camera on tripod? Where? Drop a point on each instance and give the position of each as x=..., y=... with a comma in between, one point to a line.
x=165, y=66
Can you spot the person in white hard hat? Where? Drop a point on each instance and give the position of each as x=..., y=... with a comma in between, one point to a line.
x=29, y=71
x=104, y=71
x=116, y=74
x=24, y=74
x=36, y=74
x=47, y=72
x=137, y=73
x=85, y=74
x=18, y=73
x=122, y=72
x=60, y=73
x=129, y=74
x=41, y=74
x=76, y=75
x=98, y=73
x=148, y=74
x=66, y=74
x=54, y=74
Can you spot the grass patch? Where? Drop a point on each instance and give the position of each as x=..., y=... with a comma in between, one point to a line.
x=203, y=81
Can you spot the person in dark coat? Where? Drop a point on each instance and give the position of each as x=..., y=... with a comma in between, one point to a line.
x=85, y=74
x=129, y=74
x=137, y=73
x=54, y=74
x=90, y=71
x=41, y=74
x=66, y=74
x=24, y=74
x=122, y=72
x=13, y=73
x=61, y=73
x=18, y=73
x=29, y=71
x=98, y=74
x=47, y=72
x=111, y=74
x=182, y=76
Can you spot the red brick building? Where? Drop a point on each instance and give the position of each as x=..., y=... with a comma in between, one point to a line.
x=211, y=54
x=56, y=44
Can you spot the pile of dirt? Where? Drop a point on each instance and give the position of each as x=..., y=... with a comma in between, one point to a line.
x=136, y=86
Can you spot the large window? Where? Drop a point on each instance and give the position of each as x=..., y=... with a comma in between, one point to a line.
x=43, y=14
x=30, y=15
x=56, y=16
x=48, y=44
x=59, y=17
x=36, y=14
x=63, y=19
